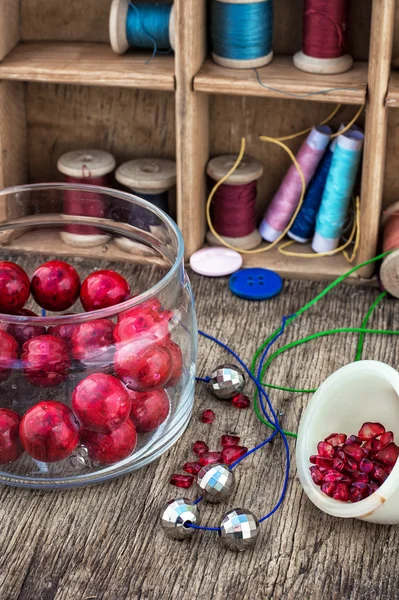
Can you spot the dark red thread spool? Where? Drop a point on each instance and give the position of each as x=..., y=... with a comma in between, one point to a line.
x=324, y=48
x=389, y=272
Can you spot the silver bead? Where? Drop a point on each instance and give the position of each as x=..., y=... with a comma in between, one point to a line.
x=175, y=514
x=239, y=529
x=215, y=483
x=227, y=381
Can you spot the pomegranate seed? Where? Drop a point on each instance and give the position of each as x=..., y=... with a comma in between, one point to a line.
x=362, y=477
x=328, y=488
x=233, y=453
x=369, y=431
x=229, y=440
x=386, y=439
x=373, y=487
x=336, y=439
x=208, y=416
x=346, y=479
x=210, y=458
x=388, y=455
x=341, y=492
x=323, y=462
x=376, y=446
x=388, y=469
x=200, y=447
x=325, y=449
x=368, y=447
x=182, y=481
x=379, y=475
x=355, y=495
x=354, y=451
x=338, y=464
x=313, y=459
x=316, y=475
x=241, y=401
x=341, y=454
x=332, y=476
x=366, y=466
x=353, y=439
x=192, y=467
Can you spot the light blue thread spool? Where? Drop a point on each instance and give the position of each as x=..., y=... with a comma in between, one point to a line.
x=242, y=32
x=338, y=191
x=141, y=24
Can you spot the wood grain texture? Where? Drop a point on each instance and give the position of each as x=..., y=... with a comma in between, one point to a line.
x=104, y=542
x=9, y=26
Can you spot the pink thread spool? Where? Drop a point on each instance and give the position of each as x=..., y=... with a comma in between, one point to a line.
x=88, y=167
x=248, y=171
x=285, y=201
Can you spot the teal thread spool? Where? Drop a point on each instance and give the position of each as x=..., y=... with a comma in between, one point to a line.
x=141, y=24
x=242, y=32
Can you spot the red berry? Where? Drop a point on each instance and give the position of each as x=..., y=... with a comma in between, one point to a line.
x=316, y=475
x=210, y=458
x=55, y=285
x=49, y=431
x=329, y=489
x=143, y=369
x=192, y=467
x=101, y=402
x=14, y=287
x=177, y=362
x=341, y=492
x=325, y=449
x=386, y=439
x=229, y=440
x=92, y=342
x=200, y=447
x=149, y=409
x=10, y=445
x=102, y=289
x=142, y=324
x=354, y=451
x=368, y=431
x=241, y=401
x=233, y=453
x=336, y=439
x=8, y=354
x=388, y=455
x=208, y=416
x=110, y=448
x=182, y=481
x=46, y=361
x=23, y=332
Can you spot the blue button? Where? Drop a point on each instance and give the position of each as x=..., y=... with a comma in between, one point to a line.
x=255, y=284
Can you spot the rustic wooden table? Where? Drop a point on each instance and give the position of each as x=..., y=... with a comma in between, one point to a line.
x=104, y=542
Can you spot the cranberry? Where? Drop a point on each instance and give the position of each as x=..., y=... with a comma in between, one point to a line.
x=8, y=354
x=368, y=431
x=55, y=285
x=14, y=287
x=101, y=402
x=233, y=453
x=208, y=416
x=143, y=369
x=22, y=332
x=210, y=458
x=341, y=492
x=386, y=439
x=336, y=439
x=149, y=409
x=241, y=401
x=200, y=447
x=49, y=431
x=102, y=289
x=316, y=475
x=10, y=445
x=229, y=440
x=177, y=362
x=325, y=449
x=354, y=451
x=110, y=448
x=93, y=341
x=329, y=488
x=388, y=455
x=182, y=481
x=46, y=361
x=65, y=331
x=142, y=324
x=192, y=467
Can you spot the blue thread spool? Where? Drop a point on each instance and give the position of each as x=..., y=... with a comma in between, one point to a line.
x=337, y=193
x=141, y=24
x=242, y=32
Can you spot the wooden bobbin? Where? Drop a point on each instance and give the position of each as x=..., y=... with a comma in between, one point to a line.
x=247, y=171
x=233, y=63
x=389, y=272
x=117, y=26
x=83, y=164
x=322, y=66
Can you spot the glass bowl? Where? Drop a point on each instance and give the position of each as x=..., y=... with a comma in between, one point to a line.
x=136, y=359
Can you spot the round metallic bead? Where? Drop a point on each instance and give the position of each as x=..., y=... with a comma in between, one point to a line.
x=239, y=529
x=215, y=483
x=175, y=514
x=227, y=381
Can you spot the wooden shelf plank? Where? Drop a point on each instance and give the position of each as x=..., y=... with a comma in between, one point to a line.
x=392, y=99
x=87, y=64
x=283, y=79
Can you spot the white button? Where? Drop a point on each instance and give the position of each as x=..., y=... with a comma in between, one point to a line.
x=215, y=262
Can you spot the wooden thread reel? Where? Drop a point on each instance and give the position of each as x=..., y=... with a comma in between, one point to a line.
x=89, y=167
x=389, y=272
x=248, y=171
x=151, y=179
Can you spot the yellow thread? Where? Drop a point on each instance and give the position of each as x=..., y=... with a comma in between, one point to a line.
x=349, y=125
x=295, y=135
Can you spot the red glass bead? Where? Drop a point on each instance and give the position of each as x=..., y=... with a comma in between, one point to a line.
x=177, y=362
x=8, y=354
x=21, y=332
x=49, y=431
x=142, y=324
x=110, y=448
x=149, y=409
x=101, y=402
x=200, y=447
x=14, y=287
x=182, y=481
x=93, y=341
x=143, y=369
x=192, y=467
x=10, y=445
x=45, y=361
x=55, y=285
x=229, y=440
x=208, y=416
x=233, y=453
x=102, y=289
x=241, y=401
x=210, y=458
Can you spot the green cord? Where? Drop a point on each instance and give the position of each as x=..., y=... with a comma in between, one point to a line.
x=365, y=321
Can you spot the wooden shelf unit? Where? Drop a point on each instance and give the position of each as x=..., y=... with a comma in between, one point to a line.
x=62, y=87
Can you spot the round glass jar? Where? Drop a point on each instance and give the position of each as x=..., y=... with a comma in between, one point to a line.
x=146, y=345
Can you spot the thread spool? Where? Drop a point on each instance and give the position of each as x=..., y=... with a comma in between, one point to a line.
x=89, y=167
x=324, y=38
x=235, y=223
x=389, y=272
x=338, y=191
x=150, y=179
x=286, y=199
x=141, y=24
x=242, y=32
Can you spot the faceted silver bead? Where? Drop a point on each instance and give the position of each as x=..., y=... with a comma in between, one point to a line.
x=239, y=529
x=215, y=483
x=227, y=381
x=175, y=514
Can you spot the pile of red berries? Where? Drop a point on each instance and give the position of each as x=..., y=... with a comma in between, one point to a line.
x=107, y=409
x=352, y=468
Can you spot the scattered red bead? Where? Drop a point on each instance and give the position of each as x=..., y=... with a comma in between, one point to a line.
x=102, y=289
x=208, y=416
x=149, y=409
x=8, y=354
x=143, y=369
x=46, y=361
x=200, y=447
x=55, y=285
x=241, y=401
x=110, y=448
x=233, y=453
x=10, y=445
x=210, y=458
x=182, y=481
x=14, y=287
x=229, y=440
x=192, y=467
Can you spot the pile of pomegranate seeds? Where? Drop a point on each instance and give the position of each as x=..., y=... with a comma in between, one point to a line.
x=352, y=468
